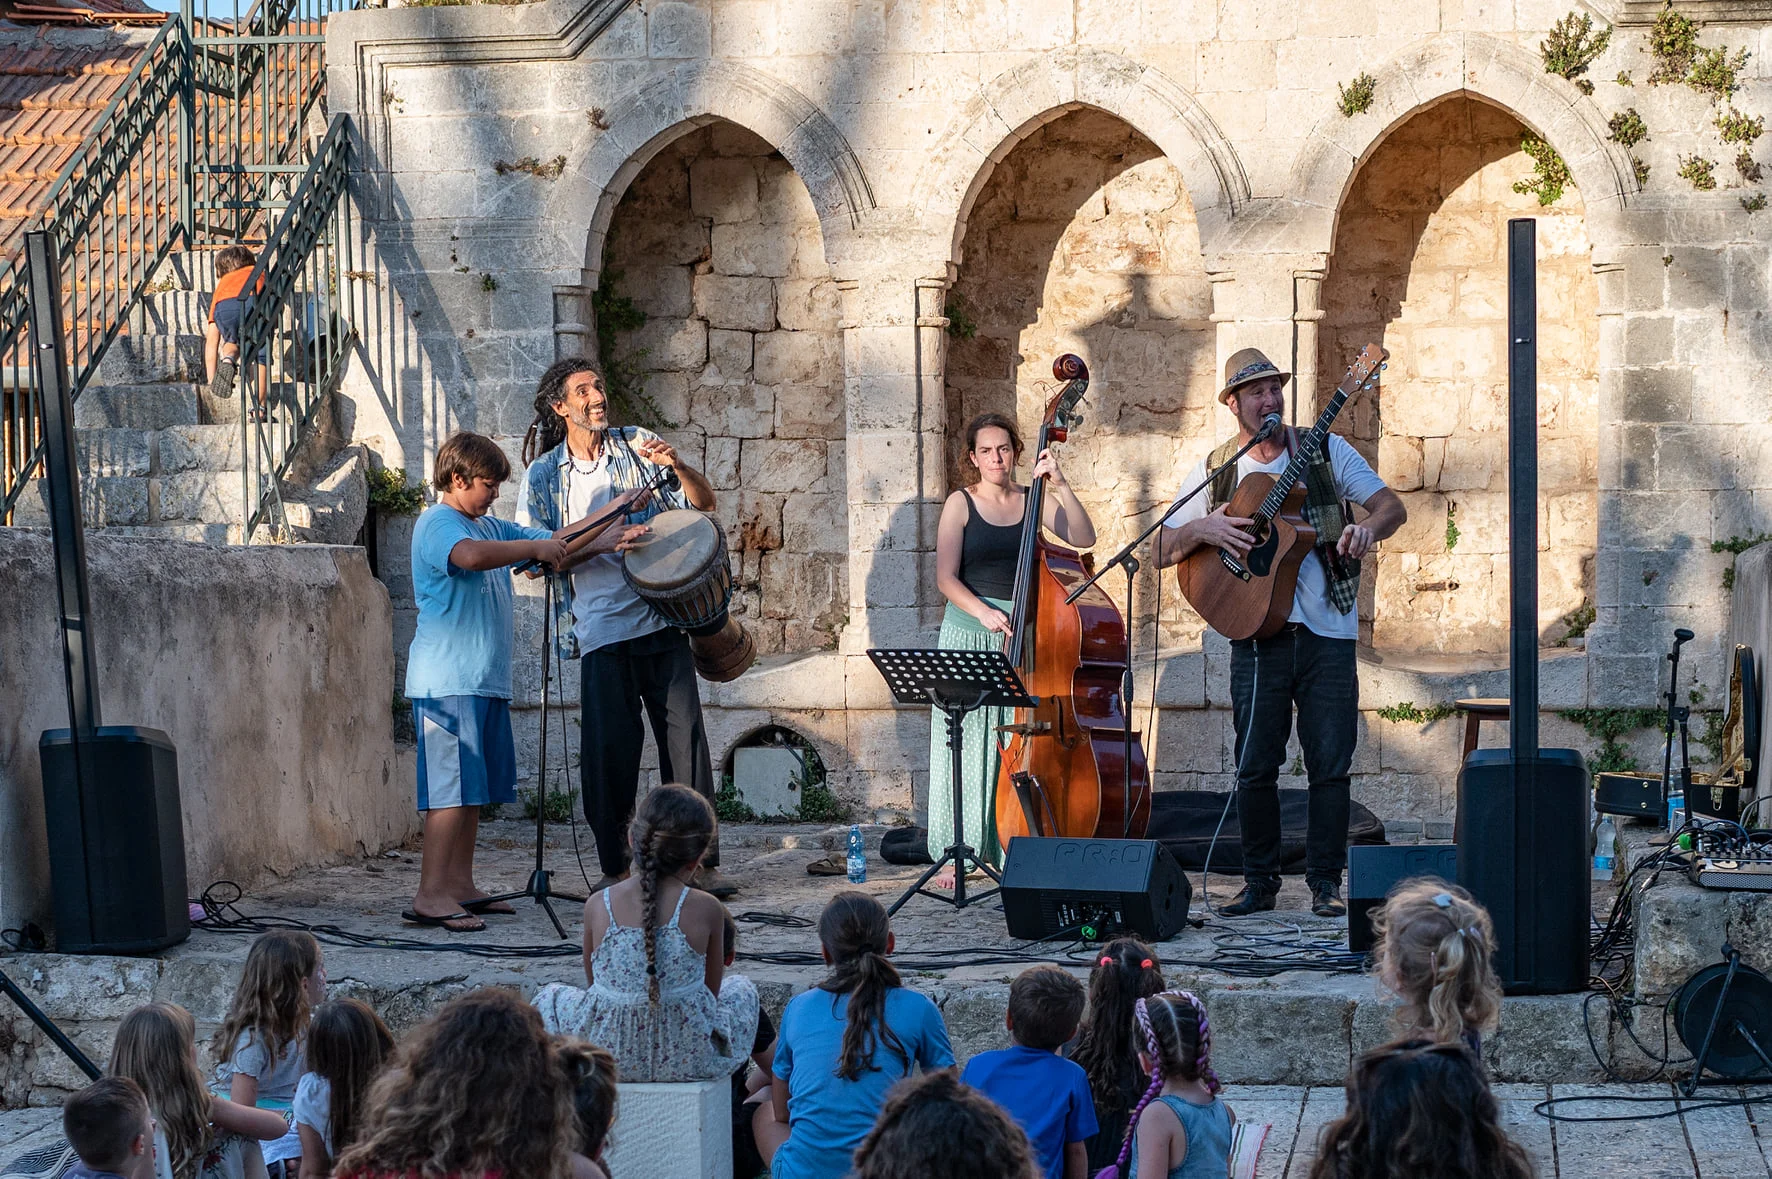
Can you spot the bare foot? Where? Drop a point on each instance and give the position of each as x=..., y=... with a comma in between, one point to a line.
x=944, y=880
x=477, y=901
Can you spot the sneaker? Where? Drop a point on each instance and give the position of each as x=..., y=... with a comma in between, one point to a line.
x=1253, y=899
x=223, y=384
x=712, y=880
x=1326, y=899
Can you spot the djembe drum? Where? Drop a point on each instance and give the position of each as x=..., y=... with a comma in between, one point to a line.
x=681, y=570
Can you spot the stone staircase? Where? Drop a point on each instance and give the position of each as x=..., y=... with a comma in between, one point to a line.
x=159, y=456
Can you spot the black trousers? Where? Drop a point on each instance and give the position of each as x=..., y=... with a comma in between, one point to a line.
x=614, y=682
x=1268, y=678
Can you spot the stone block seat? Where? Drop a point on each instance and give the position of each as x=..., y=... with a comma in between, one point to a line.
x=681, y=1131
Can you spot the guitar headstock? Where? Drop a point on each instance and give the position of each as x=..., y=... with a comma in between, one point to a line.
x=1364, y=371
x=1061, y=411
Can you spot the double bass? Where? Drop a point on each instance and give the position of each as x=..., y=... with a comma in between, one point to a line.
x=1063, y=771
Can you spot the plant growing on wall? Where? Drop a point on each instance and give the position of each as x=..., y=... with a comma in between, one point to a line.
x=1754, y=203
x=391, y=495
x=1714, y=72
x=1576, y=622
x=961, y=325
x=1628, y=128
x=1550, y=175
x=1641, y=170
x=1748, y=167
x=1736, y=127
x=1673, y=40
x=1736, y=545
x=1699, y=172
x=1407, y=713
x=623, y=381
x=1607, y=725
x=1356, y=96
x=1451, y=525
x=1572, y=46
x=550, y=170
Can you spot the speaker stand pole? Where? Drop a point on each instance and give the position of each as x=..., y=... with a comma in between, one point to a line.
x=72, y=1050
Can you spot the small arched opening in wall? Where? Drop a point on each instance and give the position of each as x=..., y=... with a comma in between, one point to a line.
x=1420, y=266
x=775, y=773
x=1083, y=239
x=718, y=320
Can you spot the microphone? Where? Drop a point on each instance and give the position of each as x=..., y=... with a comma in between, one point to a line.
x=1682, y=635
x=1269, y=424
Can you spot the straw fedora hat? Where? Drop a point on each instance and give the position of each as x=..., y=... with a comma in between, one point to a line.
x=1244, y=366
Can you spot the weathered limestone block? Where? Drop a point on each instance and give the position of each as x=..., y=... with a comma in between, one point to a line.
x=752, y=248
x=739, y=410
x=670, y=343
x=673, y=1131
x=791, y=358
x=806, y=304
x=781, y=465
x=744, y=304
x=1272, y=1037
x=725, y=190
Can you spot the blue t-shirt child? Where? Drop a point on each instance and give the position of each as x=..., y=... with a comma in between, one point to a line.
x=462, y=645
x=1047, y=1095
x=827, y=1115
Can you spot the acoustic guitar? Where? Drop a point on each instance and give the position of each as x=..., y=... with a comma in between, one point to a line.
x=1250, y=597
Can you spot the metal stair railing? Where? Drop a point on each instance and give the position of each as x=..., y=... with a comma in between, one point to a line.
x=199, y=147
x=294, y=335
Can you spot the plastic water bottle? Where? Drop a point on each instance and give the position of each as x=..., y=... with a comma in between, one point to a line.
x=858, y=860
x=1605, y=848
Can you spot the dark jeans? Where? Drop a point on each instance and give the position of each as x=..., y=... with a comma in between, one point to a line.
x=1269, y=677
x=614, y=681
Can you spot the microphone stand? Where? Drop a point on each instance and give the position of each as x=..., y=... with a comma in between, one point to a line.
x=1126, y=560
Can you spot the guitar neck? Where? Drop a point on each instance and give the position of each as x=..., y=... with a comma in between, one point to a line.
x=1309, y=444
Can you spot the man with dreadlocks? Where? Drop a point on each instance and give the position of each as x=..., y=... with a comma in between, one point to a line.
x=628, y=656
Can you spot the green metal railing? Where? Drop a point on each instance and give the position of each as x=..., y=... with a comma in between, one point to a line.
x=294, y=337
x=202, y=146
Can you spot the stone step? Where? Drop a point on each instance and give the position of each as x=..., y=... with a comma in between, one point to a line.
x=144, y=406
x=199, y=497
x=150, y=359
x=170, y=313
x=104, y=501
x=190, y=533
x=116, y=452
x=200, y=448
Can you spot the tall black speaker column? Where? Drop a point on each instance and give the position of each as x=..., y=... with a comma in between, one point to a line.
x=1523, y=811
x=110, y=793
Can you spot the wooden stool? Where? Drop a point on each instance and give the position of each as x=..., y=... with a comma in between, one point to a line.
x=1475, y=713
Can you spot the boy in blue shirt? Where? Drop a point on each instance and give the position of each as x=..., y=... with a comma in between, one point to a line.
x=458, y=674
x=109, y=1126
x=1047, y=1095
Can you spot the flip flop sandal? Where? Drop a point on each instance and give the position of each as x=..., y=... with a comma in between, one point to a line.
x=413, y=917
x=828, y=866
x=482, y=905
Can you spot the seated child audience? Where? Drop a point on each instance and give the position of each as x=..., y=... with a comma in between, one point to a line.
x=347, y=1046
x=1179, y=1127
x=261, y=1047
x=748, y=1087
x=1435, y=952
x=199, y=1135
x=1107, y=1044
x=590, y=1071
x=475, y=1090
x=1419, y=1109
x=458, y=669
x=658, y=999
x=843, y=1045
x=934, y=1127
x=1047, y=1095
x=108, y=1125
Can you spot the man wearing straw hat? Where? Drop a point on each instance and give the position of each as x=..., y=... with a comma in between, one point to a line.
x=1310, y=663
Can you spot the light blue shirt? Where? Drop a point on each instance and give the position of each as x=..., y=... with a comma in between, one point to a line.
x=462, y=646
x=828, y=1116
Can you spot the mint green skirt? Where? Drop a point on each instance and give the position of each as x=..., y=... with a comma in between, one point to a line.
x=978, y=751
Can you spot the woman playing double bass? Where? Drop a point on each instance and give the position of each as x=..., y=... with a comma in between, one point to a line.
x=975, y=555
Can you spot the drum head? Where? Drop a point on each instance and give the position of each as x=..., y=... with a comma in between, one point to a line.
x=679, y=549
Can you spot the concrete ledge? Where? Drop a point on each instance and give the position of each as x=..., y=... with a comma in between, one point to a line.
x=672, y=1132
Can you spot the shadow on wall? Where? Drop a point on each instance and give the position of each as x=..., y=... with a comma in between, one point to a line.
x=1421, y=266
x=1083, y=240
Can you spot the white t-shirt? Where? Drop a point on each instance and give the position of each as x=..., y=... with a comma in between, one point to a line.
x=606, y=608
x=1354, y=480
x=313, y=1107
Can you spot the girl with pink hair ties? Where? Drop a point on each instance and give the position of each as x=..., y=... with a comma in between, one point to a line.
x=1179, y=1128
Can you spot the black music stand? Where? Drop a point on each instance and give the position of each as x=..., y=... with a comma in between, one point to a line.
x=955, y=683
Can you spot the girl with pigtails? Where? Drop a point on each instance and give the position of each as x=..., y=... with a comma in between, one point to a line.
x=659, y=998
x=1435, y=952
x=1179, y=1129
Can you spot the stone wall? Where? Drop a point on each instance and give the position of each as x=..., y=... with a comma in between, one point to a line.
x=925, y=133
x=268, y=667
x=1421, y=266
x=717, y=243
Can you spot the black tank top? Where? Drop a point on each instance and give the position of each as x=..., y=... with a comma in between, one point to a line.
x=988, y=553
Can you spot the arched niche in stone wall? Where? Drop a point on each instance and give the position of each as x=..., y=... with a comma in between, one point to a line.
x=1083, y=239
x=1014, y=106
x=716, y=240
x=1420, y=265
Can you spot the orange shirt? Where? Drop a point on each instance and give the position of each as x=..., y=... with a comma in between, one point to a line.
x=229, y=286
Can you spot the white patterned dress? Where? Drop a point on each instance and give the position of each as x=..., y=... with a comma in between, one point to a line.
x=688, y=1035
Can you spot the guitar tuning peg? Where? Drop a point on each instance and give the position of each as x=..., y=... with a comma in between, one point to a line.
x=1384, y=366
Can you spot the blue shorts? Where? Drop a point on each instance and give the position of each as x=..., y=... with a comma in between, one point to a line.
x=466, y=754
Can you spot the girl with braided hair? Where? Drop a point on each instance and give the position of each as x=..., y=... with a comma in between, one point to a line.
x=1179, y=1128
x=1435, y=953
x=659, y=998
x=843, y=1045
